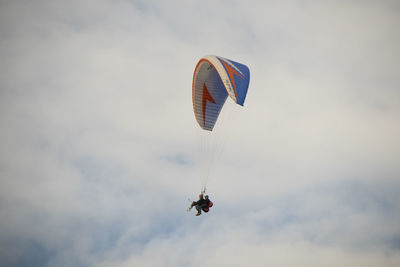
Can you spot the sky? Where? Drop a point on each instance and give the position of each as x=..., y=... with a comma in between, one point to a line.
x=100, y=151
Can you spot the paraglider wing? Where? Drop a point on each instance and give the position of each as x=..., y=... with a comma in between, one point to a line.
x=214, y=79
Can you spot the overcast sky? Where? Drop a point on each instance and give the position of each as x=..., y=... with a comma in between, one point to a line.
x=100, y=150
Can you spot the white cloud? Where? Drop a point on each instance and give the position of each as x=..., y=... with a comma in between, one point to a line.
x=99, y=146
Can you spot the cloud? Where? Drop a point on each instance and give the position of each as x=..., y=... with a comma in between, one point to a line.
x=100, y=149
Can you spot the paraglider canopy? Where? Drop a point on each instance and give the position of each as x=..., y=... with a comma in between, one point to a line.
x=214, y=79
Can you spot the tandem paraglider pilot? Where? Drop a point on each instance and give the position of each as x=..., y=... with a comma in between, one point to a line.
x=203, y=204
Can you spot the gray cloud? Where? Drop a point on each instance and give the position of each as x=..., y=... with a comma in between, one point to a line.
x=100, y=149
